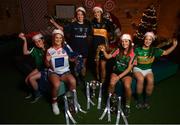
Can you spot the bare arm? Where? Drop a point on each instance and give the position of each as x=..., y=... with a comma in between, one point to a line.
x=169, y=50
x=106, y=55
x=72, y=59
x=47, y=60
x=130, y=66
x=25, y=48
x=56, y=25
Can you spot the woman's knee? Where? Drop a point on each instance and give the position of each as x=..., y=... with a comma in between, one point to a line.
x=127, y=86
x=150, y=80
x=31, y=79
x=139, y=76
x=140, y=79
x=150, y=85
x=140, y=85
x=112, y=84
x=55, y=84
x=72, y=82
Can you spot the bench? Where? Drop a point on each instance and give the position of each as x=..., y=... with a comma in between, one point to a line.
x=162, y=69
x=45, y=87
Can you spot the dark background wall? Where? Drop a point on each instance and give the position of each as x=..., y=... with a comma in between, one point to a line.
x=11, y=16
x=26, y=16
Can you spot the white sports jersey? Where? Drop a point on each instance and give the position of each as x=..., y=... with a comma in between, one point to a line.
x=59, y=60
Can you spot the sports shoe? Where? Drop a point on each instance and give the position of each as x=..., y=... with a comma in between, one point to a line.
x=127, y=110
x=55, y=108
x=139, y=105
x=36, y=99
x=146, y=106
x=28, y=96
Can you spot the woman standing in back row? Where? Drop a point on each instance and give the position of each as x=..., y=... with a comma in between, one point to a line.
x=103, y=31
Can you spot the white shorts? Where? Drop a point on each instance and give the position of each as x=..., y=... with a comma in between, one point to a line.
x=144, y=72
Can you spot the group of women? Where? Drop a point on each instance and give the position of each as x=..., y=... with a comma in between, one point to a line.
x=83, y=35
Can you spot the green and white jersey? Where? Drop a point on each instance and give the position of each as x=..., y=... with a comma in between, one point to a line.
x=145, y=57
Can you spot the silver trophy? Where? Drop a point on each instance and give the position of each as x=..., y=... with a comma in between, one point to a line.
x=118, y=110
x=72, y=106
x=70, y=101
x=93, y=86
x=120, y=113
x=114, y=103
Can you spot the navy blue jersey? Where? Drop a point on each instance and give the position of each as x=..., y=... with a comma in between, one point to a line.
x=78, y=36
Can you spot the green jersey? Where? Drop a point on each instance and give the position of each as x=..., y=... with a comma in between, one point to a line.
x=38, y=55
x=121, y=62
x=145, y=57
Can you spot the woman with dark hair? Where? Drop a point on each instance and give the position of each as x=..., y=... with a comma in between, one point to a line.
x=123, y=64
x=37, y=52
x=103, y=31
x=78, y=33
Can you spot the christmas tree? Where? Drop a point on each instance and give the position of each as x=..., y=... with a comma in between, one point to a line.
x=148, y=23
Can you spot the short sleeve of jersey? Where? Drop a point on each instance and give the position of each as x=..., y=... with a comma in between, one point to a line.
x=115, y=52
x=32, y=51
x=51, y=51
x=158, y=52
x=133, y=57
x=136, y=51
